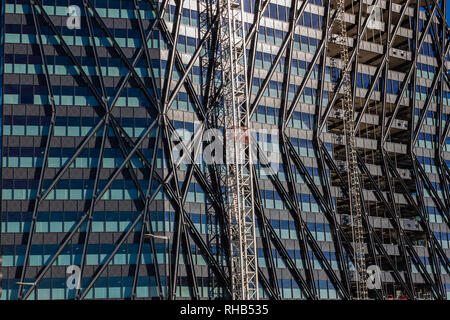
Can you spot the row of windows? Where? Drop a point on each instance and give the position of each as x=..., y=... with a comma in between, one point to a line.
x=331, y=257
x=428, y=266
x=50, y=39
x=188, y=17
x=443, y=238
x=121, y=287
x=185, y=44
x=69, y=152
x=15, y=33
x=428, y=164
x=394, y=87
x=263, y=173
x=425, y=70
x=19, y=189
x=427, y=48
x=96, y=255
x=422, y=24
x=303, y=147
x=68, y=131
x=275, y=90
x=74, y=100
x=429, y=141
x=289, y=289
x=127, y=254
x=272, y=200
x=300, y=120
x=275, y=37
x=68, y=216
x=77, y=249
x=14, y=222
x=133, y=97
x=285, y=229
x=79, y=162
x=116, y=9
x=299, y=67
x=82, y=33
x=161, y=221
x=310, y=95
x=126, y=190
x=429, y=167
x=73, y=194
x=434, y=215
x=437, y=188
x=114, y=67
x=57, y=61
x=115, y=161
x=273, y=11
x=69, y=69
x=297, y=257
x=431, y=116
x=426, y=140
x=72, y=121
x=280, y=12
x=110, y=287
x=183, y=102
x=28, y=157
x=65, y=91
x=310, y=152
x=263, y=114
x=121, y=222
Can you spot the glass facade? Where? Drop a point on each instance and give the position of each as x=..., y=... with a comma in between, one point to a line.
x=88, y=179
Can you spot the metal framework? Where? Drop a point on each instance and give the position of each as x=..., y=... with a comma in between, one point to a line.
x=237, y=177
x=352, y=161
x=388, y=180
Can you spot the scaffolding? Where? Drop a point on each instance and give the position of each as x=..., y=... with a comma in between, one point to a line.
x=352, y=160
x=237, y=176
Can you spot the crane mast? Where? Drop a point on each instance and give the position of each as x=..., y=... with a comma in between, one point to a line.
x=352, y=161
x=236, y=173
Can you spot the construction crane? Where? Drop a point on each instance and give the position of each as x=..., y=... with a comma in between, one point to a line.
x=352, y=161
x=236, y=174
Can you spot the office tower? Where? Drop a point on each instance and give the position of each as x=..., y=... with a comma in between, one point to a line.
x=90, y=141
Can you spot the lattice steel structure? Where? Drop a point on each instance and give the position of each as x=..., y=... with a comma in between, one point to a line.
x=94, y=124
x=237, y=178
x=351, y=159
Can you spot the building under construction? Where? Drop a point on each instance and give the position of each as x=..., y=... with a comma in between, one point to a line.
x=334, y=136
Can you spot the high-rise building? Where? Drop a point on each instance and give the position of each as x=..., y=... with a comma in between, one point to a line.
x=93, y=187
